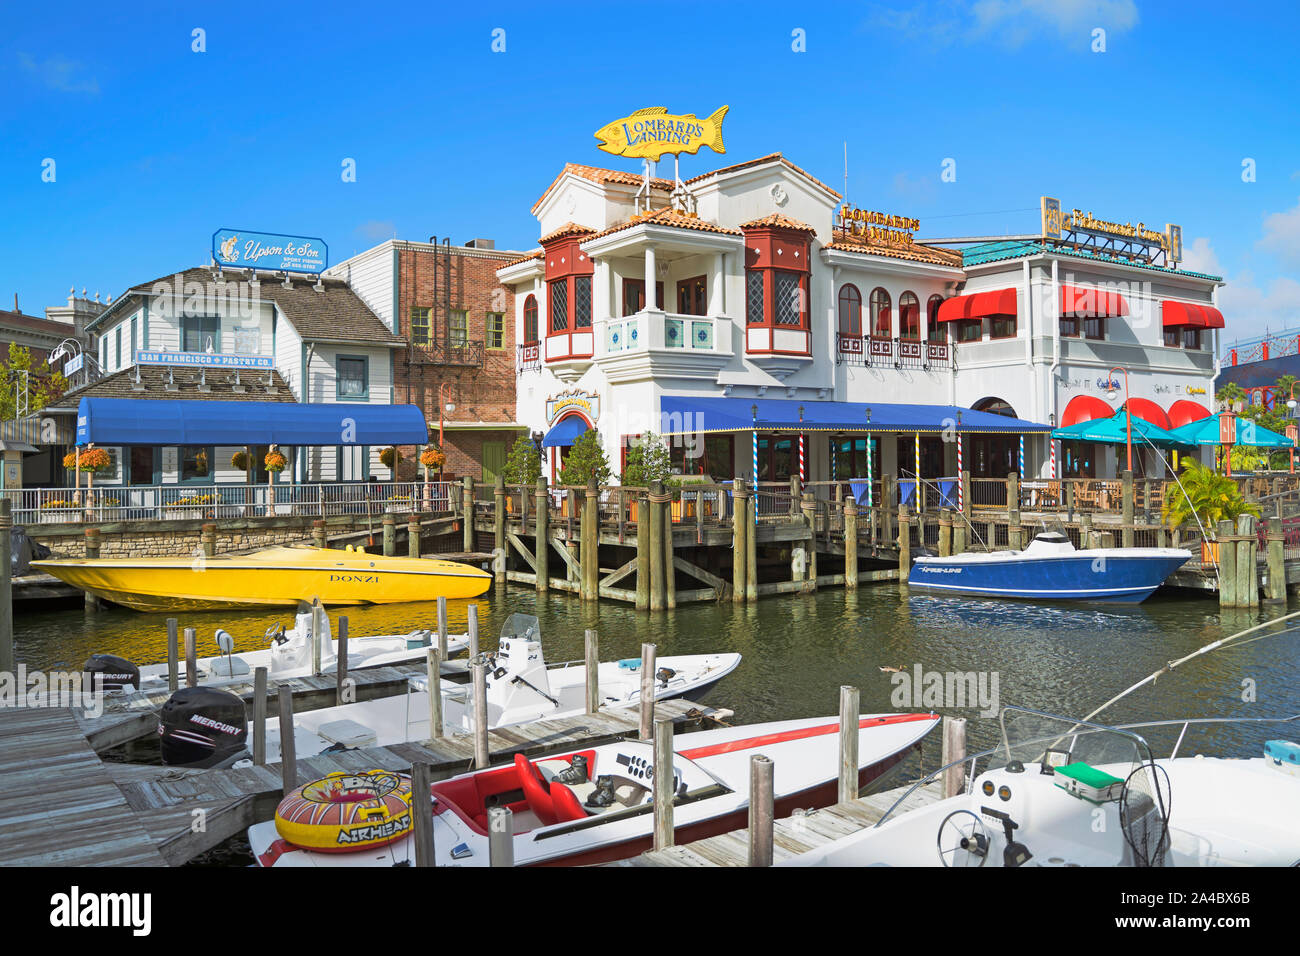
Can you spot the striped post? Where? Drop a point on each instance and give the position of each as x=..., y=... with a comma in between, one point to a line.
x=961, y=485
x=1022, y=457
x=835, y=447
x=871, y=500
x=916, y=443
x=803, y=471
x=1052, y=444
x=755, y=476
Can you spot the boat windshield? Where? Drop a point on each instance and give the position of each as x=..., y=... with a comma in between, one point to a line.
x=1051, y=741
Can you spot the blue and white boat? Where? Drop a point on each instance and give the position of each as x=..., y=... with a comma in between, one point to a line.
x=1051, y=568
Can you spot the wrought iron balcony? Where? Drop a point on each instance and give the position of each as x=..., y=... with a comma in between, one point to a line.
x=528, y=357
x=464, y=354
x=879, y=352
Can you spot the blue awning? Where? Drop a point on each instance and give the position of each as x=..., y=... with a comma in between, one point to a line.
x=680, y=414
x=143, y=421
x=564, y=432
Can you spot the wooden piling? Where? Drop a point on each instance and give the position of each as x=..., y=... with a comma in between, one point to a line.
x=664, y=790
x=482, y=758
x=1128, y=505
x=1013, y=491
x=658, y=591
x=904, y=544
x=259, y=716
x=191, y=658
x=288, y=751
x=1227, y=548
x=1015, y=531
x=587, y=555
x=499, y=527
x=318, y=533
x=762, y=810
x=751, y=549
x=173, y=657
x=966, y=505
x=467, y=507
x=208, y=538
x=888, y=494
x=643, y=561
x=433, y=672
x=592, y=662
x=1085, y=532
x=413, y=536
x=7, y=660
x=471, y=613
x=501, y=837
x=849, y=707
x=954, y=749
x=317, y=635
x=945, y=532
x=740, y=529
x=422, y=814
x=1276, y=593
x=1247, y=565
x=389, y=523
x=92, y=551
x=646, y=730
x=670, y=571
x=809, y=508
x=341, y=665
x=442, y=626
x=850, y=543
x=543, y=532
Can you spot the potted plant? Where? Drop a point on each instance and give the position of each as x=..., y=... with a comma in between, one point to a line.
x=647, y=460
x=1206, y=497
x=676, y=483
x=390, y=458
x=58, y=511
x=523, y=466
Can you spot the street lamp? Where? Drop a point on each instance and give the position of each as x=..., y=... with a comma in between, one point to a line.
x=443, y=406
x=1291, y=430
x=1128, y=413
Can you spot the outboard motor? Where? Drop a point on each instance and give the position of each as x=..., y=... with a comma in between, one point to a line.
x=117, y=673
x=202, y=727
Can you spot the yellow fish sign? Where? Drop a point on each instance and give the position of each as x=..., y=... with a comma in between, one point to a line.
x=651, y=132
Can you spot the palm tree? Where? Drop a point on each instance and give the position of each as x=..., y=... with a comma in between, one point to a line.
x=1204, y=495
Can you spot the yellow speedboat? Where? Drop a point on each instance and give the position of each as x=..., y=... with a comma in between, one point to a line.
x=272, y=577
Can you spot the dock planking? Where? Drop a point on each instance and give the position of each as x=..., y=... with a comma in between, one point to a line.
x=58, y=806
x=794, y=835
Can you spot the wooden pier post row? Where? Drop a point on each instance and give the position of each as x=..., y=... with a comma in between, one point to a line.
x=543, y=546
x=646, y=730
x=389, y=523
x=592, y=662
x=422, y=814
x=664, y=789
x=762, y=810
x=740, y=529
x=954, y=749
x=850, y=543
x=848, y=779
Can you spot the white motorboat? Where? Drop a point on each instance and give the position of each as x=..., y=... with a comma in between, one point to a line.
x=586, y=807
x=520, y=688
x=290, y=655
x=1062, y=792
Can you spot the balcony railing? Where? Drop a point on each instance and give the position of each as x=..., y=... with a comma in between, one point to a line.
x=464, y=354
x=528, y=357
x=37, y=506
x=665, y=330
x=881, y=352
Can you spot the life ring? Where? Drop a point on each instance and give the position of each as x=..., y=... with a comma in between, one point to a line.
x=344, y=812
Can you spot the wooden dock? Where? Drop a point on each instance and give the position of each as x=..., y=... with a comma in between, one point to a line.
x=794, y=835
x=63, y=805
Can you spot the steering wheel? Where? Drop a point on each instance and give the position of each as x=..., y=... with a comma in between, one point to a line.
x=963, y=839
x=276, y=633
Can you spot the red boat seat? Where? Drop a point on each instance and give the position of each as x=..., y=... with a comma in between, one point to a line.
x=566, y=804
x=534, y=787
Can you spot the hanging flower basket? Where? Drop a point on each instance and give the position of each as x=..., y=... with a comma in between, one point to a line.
x=275, y=462
x=93, y=460
x=390, y=458
x=239, y=461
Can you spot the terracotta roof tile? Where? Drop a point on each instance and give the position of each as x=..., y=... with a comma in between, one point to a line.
x=778, y=221
x=568, y=229
x=597, y=174
x=915, y=252
x=769, y=158
x=669, y=217
x=535, y=254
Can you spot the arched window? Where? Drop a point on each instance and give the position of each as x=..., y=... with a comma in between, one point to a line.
x=530, y=319
x=882, y=324
x=935, y=331
x=850, y=310
x=909, y=316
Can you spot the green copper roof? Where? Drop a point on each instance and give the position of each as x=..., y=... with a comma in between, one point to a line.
x=1017, y=249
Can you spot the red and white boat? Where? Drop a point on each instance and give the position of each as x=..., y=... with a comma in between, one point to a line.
x=597, y=805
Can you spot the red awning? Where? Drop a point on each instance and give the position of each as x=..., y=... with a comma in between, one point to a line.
x=1184, y=412
x=978, y=305
x=1085, y=408
x=1188, y=315
x=1091, y=303
x=1149, y=411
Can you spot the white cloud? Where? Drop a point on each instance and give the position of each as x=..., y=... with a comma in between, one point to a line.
x=1282, y=236
x=376, y=229
x=1010, y=22
x=1251, y=310
x=59, y=73
x=1200, y=257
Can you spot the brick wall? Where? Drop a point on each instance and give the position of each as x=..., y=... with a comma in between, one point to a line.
x=480, y=393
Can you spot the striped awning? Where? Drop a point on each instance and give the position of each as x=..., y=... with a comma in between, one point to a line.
x=38, y=430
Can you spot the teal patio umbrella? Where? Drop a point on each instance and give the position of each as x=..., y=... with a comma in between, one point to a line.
x=1115, y=431
x=1205, y=431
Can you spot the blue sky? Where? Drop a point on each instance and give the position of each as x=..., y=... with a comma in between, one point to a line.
x=155, y=145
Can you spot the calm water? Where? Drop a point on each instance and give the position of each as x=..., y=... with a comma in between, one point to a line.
x=799, y=650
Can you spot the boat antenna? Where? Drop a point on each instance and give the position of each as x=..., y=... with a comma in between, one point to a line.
x=1212, y=646
x=1173, y=474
